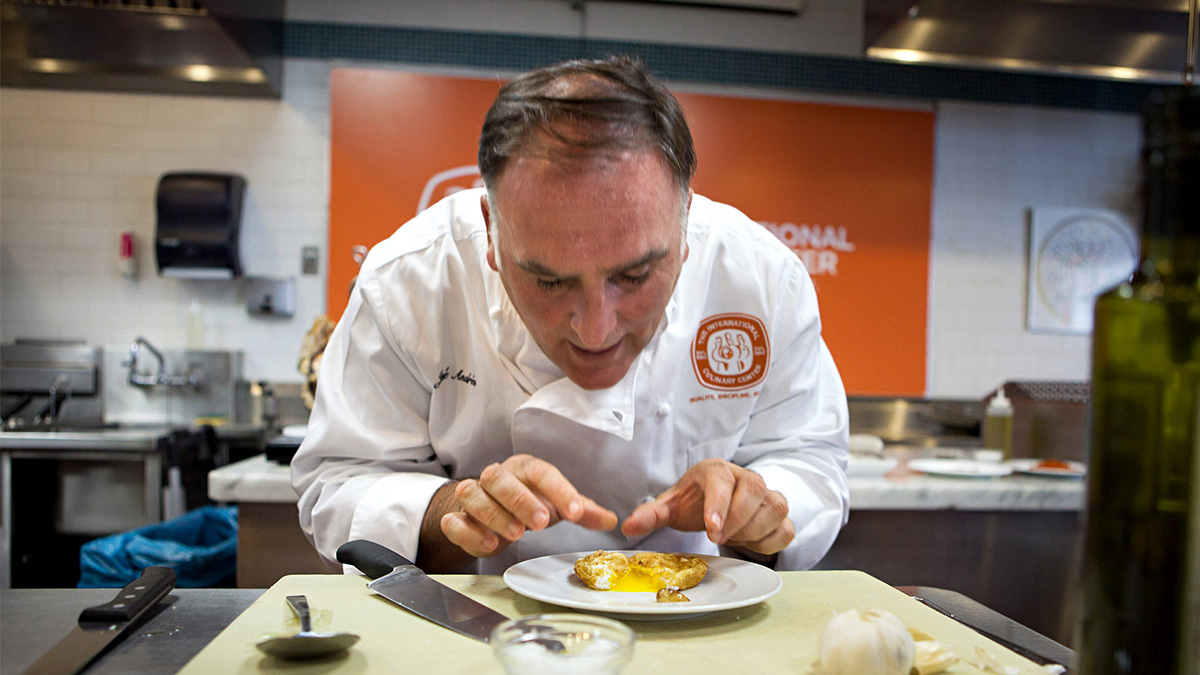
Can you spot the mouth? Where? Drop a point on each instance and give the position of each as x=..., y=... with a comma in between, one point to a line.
x=594, y=354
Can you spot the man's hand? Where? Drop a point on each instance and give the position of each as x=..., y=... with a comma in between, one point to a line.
x=730, y=503
x=483, y=516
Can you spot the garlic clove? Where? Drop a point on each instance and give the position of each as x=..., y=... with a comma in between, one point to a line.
x=932, y=657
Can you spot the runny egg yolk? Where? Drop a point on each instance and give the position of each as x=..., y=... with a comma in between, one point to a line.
x=638, y=579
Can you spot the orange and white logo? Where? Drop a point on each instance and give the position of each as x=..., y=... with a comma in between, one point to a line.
x=731, y=352
x=445, y=183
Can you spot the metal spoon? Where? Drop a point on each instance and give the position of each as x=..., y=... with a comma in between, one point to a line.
x=306, y=644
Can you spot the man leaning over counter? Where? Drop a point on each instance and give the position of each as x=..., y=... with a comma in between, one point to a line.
x=582, y=344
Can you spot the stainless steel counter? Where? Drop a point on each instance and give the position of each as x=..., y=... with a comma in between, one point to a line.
x=34, y=620
x=109, y=480
x=117, y=439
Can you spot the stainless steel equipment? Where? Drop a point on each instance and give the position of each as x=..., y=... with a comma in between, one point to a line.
x=160, y=376
x=214, y=47
x=175, y=388
x=124, y=419
x=1049, y=418
x=924, y=423
x=1144, y=40
x=50, y=385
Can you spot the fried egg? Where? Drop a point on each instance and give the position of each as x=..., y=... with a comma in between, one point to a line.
x=642, y=572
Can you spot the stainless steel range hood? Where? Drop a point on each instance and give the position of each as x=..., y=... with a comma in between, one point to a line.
x=1121, y=39
x=201, y=47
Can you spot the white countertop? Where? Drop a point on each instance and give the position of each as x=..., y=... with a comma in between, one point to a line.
x=913, y=491
x=135, y=438
x=254, y=479
x=258, y=480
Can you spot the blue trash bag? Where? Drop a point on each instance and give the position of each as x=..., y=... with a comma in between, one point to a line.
x=201, y=546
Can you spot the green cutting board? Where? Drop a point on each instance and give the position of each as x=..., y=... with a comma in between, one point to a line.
x=778, y=635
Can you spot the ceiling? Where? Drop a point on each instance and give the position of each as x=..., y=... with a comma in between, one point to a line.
x=1122, y=39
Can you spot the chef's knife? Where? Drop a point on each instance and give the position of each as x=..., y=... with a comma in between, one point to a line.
x=402, y=582
x=101, y=625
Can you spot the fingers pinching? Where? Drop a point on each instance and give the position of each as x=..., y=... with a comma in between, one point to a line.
x=761, y=524
x=646, y=518
x=596, y=517
x=463, y=531
x=769, y=530
x=774, y=542
x=484, y=509
x=747, y=496
x=719, y=483
x=507, y=500
x=510, y=492
x=554, y=491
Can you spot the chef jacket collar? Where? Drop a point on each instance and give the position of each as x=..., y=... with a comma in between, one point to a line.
x=610, y=410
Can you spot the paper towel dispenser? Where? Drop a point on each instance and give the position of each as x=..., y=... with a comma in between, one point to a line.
x=198, y=227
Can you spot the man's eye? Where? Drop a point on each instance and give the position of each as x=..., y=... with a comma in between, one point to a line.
x=633, y=279
x=550, y=284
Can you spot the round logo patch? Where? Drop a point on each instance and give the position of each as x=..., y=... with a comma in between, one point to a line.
x=731, y=352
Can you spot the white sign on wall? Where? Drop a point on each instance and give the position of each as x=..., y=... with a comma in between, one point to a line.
x=1074, y=255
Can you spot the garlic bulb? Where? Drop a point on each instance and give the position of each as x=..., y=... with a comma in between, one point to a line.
x=870, y=643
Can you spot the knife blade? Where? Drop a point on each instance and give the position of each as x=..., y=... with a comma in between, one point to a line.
x=1021, y=650
x=398, y=580
x=98, y=627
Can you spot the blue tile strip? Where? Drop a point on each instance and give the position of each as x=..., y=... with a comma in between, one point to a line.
x=706, y=65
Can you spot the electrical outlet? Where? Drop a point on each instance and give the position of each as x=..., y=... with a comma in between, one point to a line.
x=308, y=259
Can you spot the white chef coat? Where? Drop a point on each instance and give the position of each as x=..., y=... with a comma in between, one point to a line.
x=431, y=375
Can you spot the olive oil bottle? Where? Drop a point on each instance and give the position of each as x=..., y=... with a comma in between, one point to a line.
x=1140, y=605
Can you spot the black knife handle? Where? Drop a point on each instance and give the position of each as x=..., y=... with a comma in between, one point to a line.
x=370, y=558
x=141, y=594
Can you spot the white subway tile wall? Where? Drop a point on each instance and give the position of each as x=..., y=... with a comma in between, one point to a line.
x=991, y=164
x=77, y=169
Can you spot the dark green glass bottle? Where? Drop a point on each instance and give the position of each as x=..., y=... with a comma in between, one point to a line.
x=1140, y=605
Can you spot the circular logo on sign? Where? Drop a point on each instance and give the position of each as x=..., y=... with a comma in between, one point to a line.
x=731, y=352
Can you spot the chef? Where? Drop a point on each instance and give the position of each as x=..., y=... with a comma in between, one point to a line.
x=582, y=355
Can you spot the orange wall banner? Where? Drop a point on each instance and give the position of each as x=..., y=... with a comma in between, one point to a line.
x=399, y=142
x=848, y=188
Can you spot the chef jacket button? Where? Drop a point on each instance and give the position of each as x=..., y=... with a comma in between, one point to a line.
x=663, y=410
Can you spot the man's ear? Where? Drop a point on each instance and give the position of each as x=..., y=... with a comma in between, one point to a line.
x=686, y=248
x=487, y=226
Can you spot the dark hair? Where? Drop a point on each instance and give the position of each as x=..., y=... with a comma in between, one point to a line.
x=611, y=103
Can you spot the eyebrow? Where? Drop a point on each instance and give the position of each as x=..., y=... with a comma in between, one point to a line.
x=538, y=269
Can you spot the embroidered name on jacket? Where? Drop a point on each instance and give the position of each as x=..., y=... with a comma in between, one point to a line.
x=460, y=376
x=731, y=352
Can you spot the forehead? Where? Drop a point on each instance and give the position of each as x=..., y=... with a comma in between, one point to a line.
x=603, y=209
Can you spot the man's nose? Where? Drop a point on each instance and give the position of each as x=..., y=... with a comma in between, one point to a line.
x=594, y=319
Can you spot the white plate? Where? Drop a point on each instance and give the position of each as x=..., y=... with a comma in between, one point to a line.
x=1030, y=467
x=959, y=468
x=729, y=584
x=869, y=466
